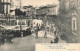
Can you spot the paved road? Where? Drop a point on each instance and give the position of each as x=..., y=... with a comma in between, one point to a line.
x=27, y=43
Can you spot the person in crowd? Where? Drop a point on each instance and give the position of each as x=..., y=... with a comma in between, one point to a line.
x=42, y=27
x=56, y=39
x=51, y=41
x=39, y=27
x=1, y=38
x=28, y=31
x=22, y=33
x=45, y=35
x=8, y=36
x=55, y=32
x=36, y=31
x=20, y=28
x=52, y=29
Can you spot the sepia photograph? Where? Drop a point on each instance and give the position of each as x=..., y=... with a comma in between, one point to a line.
x=25, y=23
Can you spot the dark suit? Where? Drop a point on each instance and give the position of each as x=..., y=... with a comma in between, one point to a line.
x=56, y=40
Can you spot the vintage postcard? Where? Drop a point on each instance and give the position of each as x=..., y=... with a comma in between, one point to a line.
x=39, y=25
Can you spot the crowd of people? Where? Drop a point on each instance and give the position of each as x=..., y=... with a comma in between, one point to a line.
x=7, y=35
x=46, y=31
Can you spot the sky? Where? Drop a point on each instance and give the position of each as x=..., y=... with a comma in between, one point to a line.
x=36, y=2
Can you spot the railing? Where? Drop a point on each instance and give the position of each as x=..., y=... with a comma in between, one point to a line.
x=14, y=17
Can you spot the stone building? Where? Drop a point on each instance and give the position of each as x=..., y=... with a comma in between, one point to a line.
x=69, y=17
x=5, y=6
x=30, y=10
x=47, y=10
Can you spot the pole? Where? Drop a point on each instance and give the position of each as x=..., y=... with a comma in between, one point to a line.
x=45, y=35
x=20, y=4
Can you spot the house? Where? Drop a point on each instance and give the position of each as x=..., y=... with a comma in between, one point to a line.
x=30, y=10
x=47, y=10
x=37, y=22
x=70, y=19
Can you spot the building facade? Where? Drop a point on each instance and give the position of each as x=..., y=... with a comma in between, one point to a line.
x=70, y=17
x=30, y=10
x=5, y=6
x=47, y=10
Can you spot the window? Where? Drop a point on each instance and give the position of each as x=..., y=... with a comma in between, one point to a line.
x=74, y=24
x=21, y=22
